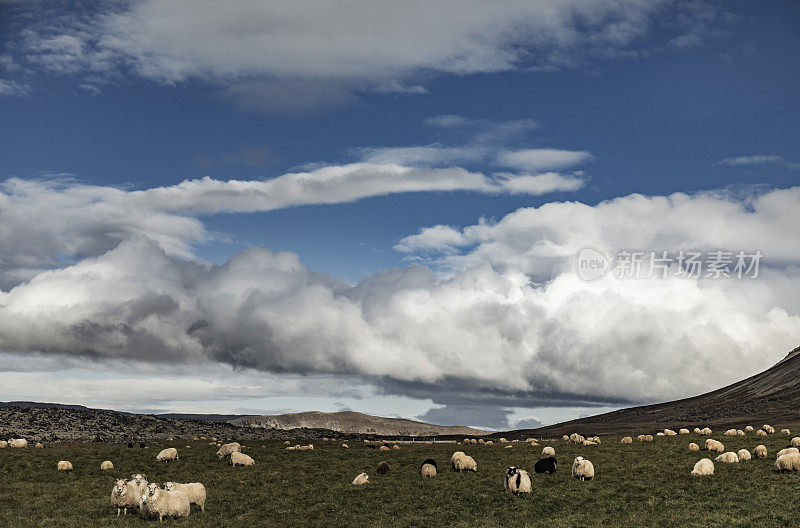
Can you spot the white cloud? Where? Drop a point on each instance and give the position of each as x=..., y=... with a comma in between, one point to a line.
x=249, y=46
x=763, y=159
x=484, y=331
x=541, y=159
x=13, y=88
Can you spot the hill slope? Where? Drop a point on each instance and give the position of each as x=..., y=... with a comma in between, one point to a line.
x=772, y=396
x=351, y=422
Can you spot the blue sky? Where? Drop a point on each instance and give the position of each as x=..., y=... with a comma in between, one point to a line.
x=605, y=99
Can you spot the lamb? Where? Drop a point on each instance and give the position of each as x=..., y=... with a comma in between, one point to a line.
x=730, y=432
x=107, y=464
x=167, y=454
x=626, y=440
x=761, y=432
x=428, y=468
x=582, y=469
x=683, y=431
x=160, y=503
x=17, y=442
x=669, y=432
x=729, y=458
x=743, y=455
x=546, y=465
x=517, y=481
x=195, y=491
x=227, y=449
x=140, y=481
x=548, y=452
x=361, y=479
x=125, y=495
x=788, y=462
x=714, y=445
x=383, y=467
x=64, y=465
x=703, y=467
x=465, y=463
x=787, y=451
x=240, y=459
x=694, y=447
x=796, y=441
x=760, y=451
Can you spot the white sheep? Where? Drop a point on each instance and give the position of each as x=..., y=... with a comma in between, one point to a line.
x=167, y=454
x=240, y=459
x=669, y=432
x=39, y=445
x=786, y=451
x=489, y=443
x=789, y=462
x=743, y=455
x=704, y=466
x=796, y=441
x=64, y=465
x=565, y=438
x=749, y=428
x=761, y=432
x=728, y=457
x=705, y=431
x=760, y=451
x=361, y=479
x=465, y=463
x=502, y=440
x=345, y=446
x=107, y=464
x=227, y=449
x=697, y=430
x=125, y=495
x=714, y=445
x=626, y=440
x=385, y=448
x=730, y=432
x=683, y=431
x=582, y=469
x=517, y=481
x=194, y=490
x=769, y=429
x=454, y=456
x=17, y=442
x=739, y=432
x=140, y=481
x=428, y=470
x=160, y=503
x=548, y=452
x=694, y=447
x=3, y=444
x=395, y=446
x=659, y=433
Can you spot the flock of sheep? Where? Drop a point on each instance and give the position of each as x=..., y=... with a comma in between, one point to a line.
x=173, y=499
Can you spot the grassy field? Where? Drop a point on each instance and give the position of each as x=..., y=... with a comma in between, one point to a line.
x=641, y=484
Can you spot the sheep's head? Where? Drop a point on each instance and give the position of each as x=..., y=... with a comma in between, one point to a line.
x=511, y=471
x=139, y=478
x=579, y=459
x=120, y=486
x=168, y=486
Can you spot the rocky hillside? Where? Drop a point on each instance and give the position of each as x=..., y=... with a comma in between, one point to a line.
x=353, y=423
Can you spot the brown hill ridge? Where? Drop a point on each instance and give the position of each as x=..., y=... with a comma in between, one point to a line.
x=772, y=397
x=351, y=422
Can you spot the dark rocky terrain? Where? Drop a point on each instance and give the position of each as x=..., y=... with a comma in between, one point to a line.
x=771, y=397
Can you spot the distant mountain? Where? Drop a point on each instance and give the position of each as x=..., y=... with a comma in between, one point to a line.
x=351, y=422
x=771, y=397
x=201, y=417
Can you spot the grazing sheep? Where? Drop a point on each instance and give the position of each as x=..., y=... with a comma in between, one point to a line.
x=3, y=444
x=582, y=469
x=704, y=466
x=227, y=449
x=743, y=455
x=502, y=440
x=140, y=481
x=588, y=443
x=647, y=438
x=659, y=433
x=714, y=445
x=160, y=503
x=730, y=432
x=125, y=495
x=565, y=438
x=361, y=479
x=626, y=440
x=195, y=491
x=240, y=459
x=749, y=428
x=428, y=468
x=465, y=441
x=739, y=432
x=697, y=430
x=345, y=446
x=788, y=462
x=769, y=429
x=395, y=446
x=786, y=451
x=575, y=438
x=39, y=445
x=481, y=441
x=546, y=465
x=669, y=432
x=509, y=447
x=517, y=481
x=454, y=456
x=640, y=438
x=465, y=463
x=383, y=468
x=107, y=464
x=167, y=454
x=729, y=458
x=683, y=431
x=310, y=447
x=286, y=442
x=473, y=441
x=548, y=452
x=17, y=442
x=760, y=451
x=694, y=447
x=489, y=442
x=705, y=431
x=64, y=465
x=761, y=432
x=796, y=441
x=385, y=448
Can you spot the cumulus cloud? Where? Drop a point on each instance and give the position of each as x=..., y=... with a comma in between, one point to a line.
x=260, y=52
x=510, y=324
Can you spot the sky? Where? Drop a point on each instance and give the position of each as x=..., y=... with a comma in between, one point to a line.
x=263, y=207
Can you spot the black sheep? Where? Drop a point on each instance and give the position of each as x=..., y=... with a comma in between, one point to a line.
x=546, y=465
